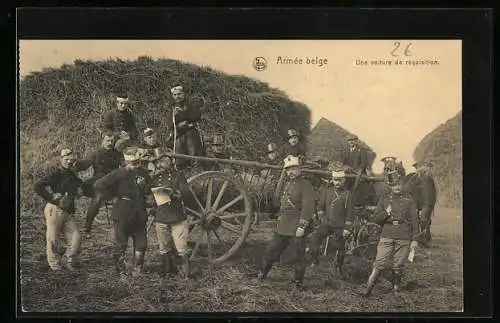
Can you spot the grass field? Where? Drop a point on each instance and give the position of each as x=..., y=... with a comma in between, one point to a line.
x=433, y=283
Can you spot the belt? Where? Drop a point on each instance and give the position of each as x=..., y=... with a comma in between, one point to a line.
x=396, y=222
x=125, y=198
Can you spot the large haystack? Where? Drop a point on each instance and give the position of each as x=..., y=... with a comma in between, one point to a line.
x=327, y=139
x=64, y=106
x=443, y=146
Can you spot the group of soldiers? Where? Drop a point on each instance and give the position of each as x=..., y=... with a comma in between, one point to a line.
x=143, y=182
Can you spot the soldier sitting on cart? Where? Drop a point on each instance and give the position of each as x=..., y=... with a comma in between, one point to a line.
x=332, y=212
x=172, y=227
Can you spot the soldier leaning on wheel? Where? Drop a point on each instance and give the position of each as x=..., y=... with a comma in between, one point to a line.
x=172, y=228
x=397, y=215
x=131, y=186
x=104, y=160
x=296, y=211
x=332, y=211
x=60, y=208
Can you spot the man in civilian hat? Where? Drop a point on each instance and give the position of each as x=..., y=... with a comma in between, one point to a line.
x=131, y=186
x=186, y=137
x=296, y=212
x=104, y=160
x=121, y=122
x=397, y=215
x=426, y=200
x=59, y=210
x=332, y=213
x=172, y=228
x=355, y=156
x=295, y=146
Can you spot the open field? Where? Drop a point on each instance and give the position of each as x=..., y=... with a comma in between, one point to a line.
x=434, y=282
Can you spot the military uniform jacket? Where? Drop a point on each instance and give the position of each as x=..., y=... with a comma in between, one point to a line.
x=63, y=181
x=117, y=121
x=186, y=119
x=428, y=190
x=172, y=212
x=132, y=189
x=356, y=159
x=296, y=203
x=402, y=223
x=334, y=203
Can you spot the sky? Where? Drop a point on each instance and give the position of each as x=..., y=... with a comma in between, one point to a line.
x=390, y=107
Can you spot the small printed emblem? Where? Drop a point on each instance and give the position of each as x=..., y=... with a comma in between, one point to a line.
x=260, y=63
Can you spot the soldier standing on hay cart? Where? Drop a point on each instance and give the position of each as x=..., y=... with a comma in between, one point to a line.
x=131, y=186
x=186, y=137
x=296, y=212
x=121, y=122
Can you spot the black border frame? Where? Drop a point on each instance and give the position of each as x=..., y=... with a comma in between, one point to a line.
x=473, y=26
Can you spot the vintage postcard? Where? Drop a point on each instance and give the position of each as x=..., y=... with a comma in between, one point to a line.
x=241, y=175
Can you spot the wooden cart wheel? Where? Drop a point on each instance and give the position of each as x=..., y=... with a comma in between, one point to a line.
x=220, y=215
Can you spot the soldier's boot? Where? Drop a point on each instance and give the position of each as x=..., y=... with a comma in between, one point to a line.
x=264, y=270
x=185, y=265
x=396, y=281
x=372, y=280
x=138, y=263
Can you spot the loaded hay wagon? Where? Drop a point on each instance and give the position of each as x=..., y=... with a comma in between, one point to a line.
x=223, y=205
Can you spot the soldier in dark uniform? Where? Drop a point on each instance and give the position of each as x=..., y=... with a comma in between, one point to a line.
x=391, y=163
x=218, y=150
x=131, y=185
x=295, y=146
x=172, y=228
x=121, y=122
x=149, y=149
x=397, y=215
x=186, y=137
x=104, y=160
x=332, y=213
x=427, y=198
x=60, y=208
x=296, y=211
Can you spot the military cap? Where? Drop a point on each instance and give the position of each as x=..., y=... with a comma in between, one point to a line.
x=291, y=161
x=218, y=140
x=423, y=164
x=122, y=97
x=130, y=154
x=176, y=88
x=292, y=133
x=271, y=147
x=66, y=152
x=388, y=158
x=148, y=132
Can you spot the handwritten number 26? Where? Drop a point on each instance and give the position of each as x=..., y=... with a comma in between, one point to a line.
x=397, y=46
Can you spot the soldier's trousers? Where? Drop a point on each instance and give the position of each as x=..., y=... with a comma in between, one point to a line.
x=134, y=228
x=276, y=247
x=172, y=236
x=59, y=221
x=426, y=216
x=317, y=237
x=92, y=211
x=189, y=143
x=391, y=253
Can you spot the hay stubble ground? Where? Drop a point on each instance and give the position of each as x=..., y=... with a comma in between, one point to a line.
x=433, y=283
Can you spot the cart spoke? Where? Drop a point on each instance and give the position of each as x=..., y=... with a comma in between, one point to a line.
x=233, y=215
x=193, y=212
x=221, y=193
x=196, y=199
x=218, y=237
x=209, y=194
x=233, y=202
x=230, y=227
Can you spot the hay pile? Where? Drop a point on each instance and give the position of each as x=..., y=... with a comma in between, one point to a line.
x=443, y=146
x=63, y=107
x=327, y=140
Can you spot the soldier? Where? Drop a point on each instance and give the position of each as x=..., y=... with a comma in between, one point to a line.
x=148, y=149
x=397, y=215
x=391, y=163
x=272, y=154
x=60, y=208
x=217, y=150
x=172, y=227
x=104, y=160
x=187, y=139
x=131, y=186
x=332, y=212
x=296, y=211
x=427, y=197
x=355, y=156
x=121, y=122
x=295, y=146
